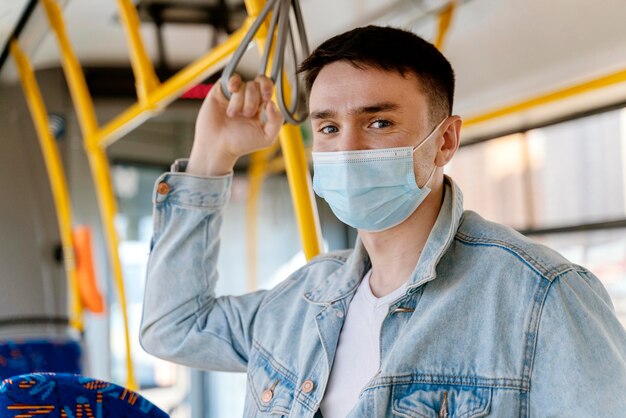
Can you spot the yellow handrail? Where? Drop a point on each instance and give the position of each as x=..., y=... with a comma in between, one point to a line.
x=290, y=139
x=305, y=210
x=98, y=163
x=153, y=96
x=56, y=176
x=146, y=80
x=257, y=172
x=618, y=77
x=169, y=90
x=445, y=18
x=607, y=80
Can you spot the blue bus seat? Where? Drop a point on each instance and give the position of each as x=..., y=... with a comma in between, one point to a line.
x=29, y=356
x=63, y=395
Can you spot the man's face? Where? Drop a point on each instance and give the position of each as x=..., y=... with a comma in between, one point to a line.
x=356, y=109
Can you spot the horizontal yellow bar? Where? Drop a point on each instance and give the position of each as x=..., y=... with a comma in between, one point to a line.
x=124, y=123
x=598, y=83
x=170, y=90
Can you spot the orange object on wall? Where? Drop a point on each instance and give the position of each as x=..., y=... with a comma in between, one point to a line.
x=90, y=295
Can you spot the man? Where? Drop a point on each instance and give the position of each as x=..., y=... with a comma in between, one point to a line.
x=436, y=312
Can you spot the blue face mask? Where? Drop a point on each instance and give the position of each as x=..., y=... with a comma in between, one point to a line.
x=372, y=189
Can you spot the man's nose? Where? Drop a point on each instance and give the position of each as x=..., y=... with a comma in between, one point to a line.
x=351, y=140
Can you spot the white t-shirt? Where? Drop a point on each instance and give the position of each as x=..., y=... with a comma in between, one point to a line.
x=358, y=352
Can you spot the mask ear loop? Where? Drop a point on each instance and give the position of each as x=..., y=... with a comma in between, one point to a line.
x=430, y=135
x=432, y=173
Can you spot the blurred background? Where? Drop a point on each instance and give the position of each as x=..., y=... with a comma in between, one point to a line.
x=541, y=87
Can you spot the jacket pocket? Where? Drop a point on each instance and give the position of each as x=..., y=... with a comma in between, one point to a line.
x=270, y=387
x=440, y=401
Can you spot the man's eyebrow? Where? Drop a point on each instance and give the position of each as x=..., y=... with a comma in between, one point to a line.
x=373, y=108
x=323, y=114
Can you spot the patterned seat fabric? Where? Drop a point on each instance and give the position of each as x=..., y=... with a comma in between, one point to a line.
x=20, y=357
x=70, y=396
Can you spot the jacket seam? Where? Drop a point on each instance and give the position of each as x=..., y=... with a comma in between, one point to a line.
x=258, y=401
x=325, y=257
x=213, y=333
x=291, y=280
x=277, y=291
x=450, y=380
x=307, y=400
x=549, y=274
x=337, y=259
x=209, y=206
x=213, y=300
x=531, y=343
x=274, y=363
x=206, y=227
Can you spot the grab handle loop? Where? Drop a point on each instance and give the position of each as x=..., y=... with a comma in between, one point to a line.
x=281, y=28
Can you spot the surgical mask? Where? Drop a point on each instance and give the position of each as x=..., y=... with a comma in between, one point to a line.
x=372, y=189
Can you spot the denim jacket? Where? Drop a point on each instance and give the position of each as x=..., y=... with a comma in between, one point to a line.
x=491, y=325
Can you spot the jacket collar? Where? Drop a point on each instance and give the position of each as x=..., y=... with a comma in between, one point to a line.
x=441, y=236
x=344, y=281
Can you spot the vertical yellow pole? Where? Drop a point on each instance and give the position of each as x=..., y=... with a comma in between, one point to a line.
x=253, y=7
x=73, y=71
x=301, y=190
x=146, y=80
x=296, y=167
x=256, y=176
x=98, y=163
x=445, y=18
x=56, y=176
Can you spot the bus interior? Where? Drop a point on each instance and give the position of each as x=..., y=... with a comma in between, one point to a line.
x=98, y=98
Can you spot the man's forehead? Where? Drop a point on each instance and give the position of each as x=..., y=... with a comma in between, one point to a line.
x=343, y=87
x=338, y=69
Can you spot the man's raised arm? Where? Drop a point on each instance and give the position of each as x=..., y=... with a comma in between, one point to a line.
x=182, y=320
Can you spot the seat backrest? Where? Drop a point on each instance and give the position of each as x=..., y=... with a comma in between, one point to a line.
x=29, y=356
x=69, y=396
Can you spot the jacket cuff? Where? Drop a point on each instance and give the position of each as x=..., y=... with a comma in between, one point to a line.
x=189, y=190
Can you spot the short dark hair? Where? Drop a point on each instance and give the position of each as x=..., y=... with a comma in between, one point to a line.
x=389, y=49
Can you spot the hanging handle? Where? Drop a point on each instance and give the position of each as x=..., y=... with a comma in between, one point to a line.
x=280, y=24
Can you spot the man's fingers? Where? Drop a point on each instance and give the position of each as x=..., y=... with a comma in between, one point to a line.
x=249, y=98
x=252, y=100
x=235, y=105
x=274, y=121
x=266, y=86
x=234, y=83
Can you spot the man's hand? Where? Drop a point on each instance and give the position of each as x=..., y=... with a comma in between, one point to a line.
x=226, y=130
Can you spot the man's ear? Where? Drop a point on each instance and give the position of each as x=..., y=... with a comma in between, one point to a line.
x=451, y=140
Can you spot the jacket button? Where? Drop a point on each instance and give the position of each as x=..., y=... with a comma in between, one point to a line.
x=307, y=386
x=267, y=395
x=163, y=188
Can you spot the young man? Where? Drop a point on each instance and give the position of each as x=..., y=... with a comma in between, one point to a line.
x=436, y=312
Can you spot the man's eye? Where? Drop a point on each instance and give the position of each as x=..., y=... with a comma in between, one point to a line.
x=328, y=129
x=381, y=123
